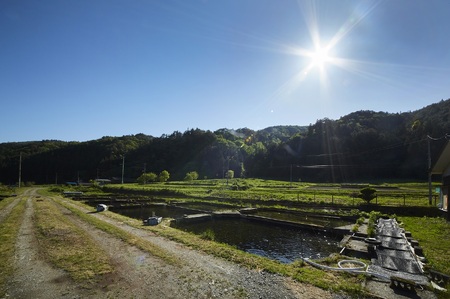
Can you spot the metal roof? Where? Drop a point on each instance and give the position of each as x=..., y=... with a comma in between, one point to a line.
x=443, y=162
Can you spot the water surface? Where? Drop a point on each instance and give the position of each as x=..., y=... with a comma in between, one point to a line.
x=283, y=243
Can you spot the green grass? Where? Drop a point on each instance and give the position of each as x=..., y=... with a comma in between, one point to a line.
x=298, y=271
x=6, y=201
x=251, y=191
x=67, y=246
x=120, y=233
x=9, y=229
x=432, y=233
x=433, y=236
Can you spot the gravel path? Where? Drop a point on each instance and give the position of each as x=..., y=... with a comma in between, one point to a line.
x=33, y=277
x=140, y=275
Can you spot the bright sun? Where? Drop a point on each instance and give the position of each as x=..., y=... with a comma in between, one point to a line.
x=320, y=57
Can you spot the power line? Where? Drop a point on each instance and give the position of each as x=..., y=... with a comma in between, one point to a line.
x=375, y=150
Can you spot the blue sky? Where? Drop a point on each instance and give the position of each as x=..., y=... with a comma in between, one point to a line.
x=80, y=70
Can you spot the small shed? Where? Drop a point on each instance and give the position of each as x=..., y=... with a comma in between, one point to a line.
x=442, y=167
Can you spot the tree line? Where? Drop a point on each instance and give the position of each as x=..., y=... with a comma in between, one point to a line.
x=363, y=145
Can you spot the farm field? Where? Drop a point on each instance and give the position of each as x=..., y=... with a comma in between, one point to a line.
x=400, y=196
x=431, y=232
x=257, y=191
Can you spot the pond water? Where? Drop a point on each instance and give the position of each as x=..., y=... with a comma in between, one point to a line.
x=283, y=243
x=279, y=242
x=158, y=210
x=305, y=218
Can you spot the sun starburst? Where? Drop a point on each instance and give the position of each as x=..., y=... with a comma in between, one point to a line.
x=320, y=57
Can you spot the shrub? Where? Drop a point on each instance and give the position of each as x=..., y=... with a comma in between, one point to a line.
x=190, y=176
x=208, y=235
x=367, y=194
x=147, y=177
x=360, y=220
x=164, y=176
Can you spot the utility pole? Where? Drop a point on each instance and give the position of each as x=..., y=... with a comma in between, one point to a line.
x=123, y=166
x=290, y=180
x=20, y=169
x=430, y=199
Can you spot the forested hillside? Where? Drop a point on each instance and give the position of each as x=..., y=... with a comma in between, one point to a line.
x=361, y=146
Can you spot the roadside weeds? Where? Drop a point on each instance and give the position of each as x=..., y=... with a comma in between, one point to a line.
x=65, y=245
x=298, y=271
x=8, y=234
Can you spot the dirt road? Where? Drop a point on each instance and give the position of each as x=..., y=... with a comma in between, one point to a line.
x=138, y=274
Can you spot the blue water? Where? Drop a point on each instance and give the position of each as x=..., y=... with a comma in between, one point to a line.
x=282, y=243
x=278, y=242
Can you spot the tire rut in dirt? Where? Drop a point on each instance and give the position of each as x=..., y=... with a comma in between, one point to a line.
x=33, y=276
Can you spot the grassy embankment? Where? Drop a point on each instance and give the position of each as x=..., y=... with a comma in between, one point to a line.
x=256, y=192
x=9, y=229
x=298, y=271
x=248, y=192
x=117, y=232
x=66, y=245
x=433, y=236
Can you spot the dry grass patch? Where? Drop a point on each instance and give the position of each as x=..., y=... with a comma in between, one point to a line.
x=299, y=271
x=67, y=246
x=131, y=239
x=6, y=201
x=9, y=229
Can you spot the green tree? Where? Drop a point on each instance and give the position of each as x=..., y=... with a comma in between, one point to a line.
x=242, y=171
x=230, y=174
x=190, y=176
x=164, y=176
x=147, y=177
x=367, y=194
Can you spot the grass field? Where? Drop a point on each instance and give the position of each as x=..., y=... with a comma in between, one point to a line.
x=432, y=233
x=248, y=192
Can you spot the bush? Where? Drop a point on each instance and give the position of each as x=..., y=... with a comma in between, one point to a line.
x=241, y=185
x=208, y=235
x=147, y=177
x=164, y=176
x=367, y=194
x=190, y=176
x=372, y=221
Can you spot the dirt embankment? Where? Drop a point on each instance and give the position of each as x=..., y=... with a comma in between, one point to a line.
x=138, y=274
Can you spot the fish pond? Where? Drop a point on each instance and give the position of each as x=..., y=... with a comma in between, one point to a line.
x=279, y=242
x=283, y=243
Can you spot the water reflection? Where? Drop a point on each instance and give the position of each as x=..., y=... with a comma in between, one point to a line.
x=326, y=221
x=159, y=210
x=282, y=243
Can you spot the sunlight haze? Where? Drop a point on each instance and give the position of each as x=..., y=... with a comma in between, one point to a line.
x=80, y=70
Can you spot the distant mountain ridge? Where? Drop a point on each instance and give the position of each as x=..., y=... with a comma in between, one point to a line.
x=363, y=145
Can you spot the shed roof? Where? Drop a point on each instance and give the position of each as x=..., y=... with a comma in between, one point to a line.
x=443, y=161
